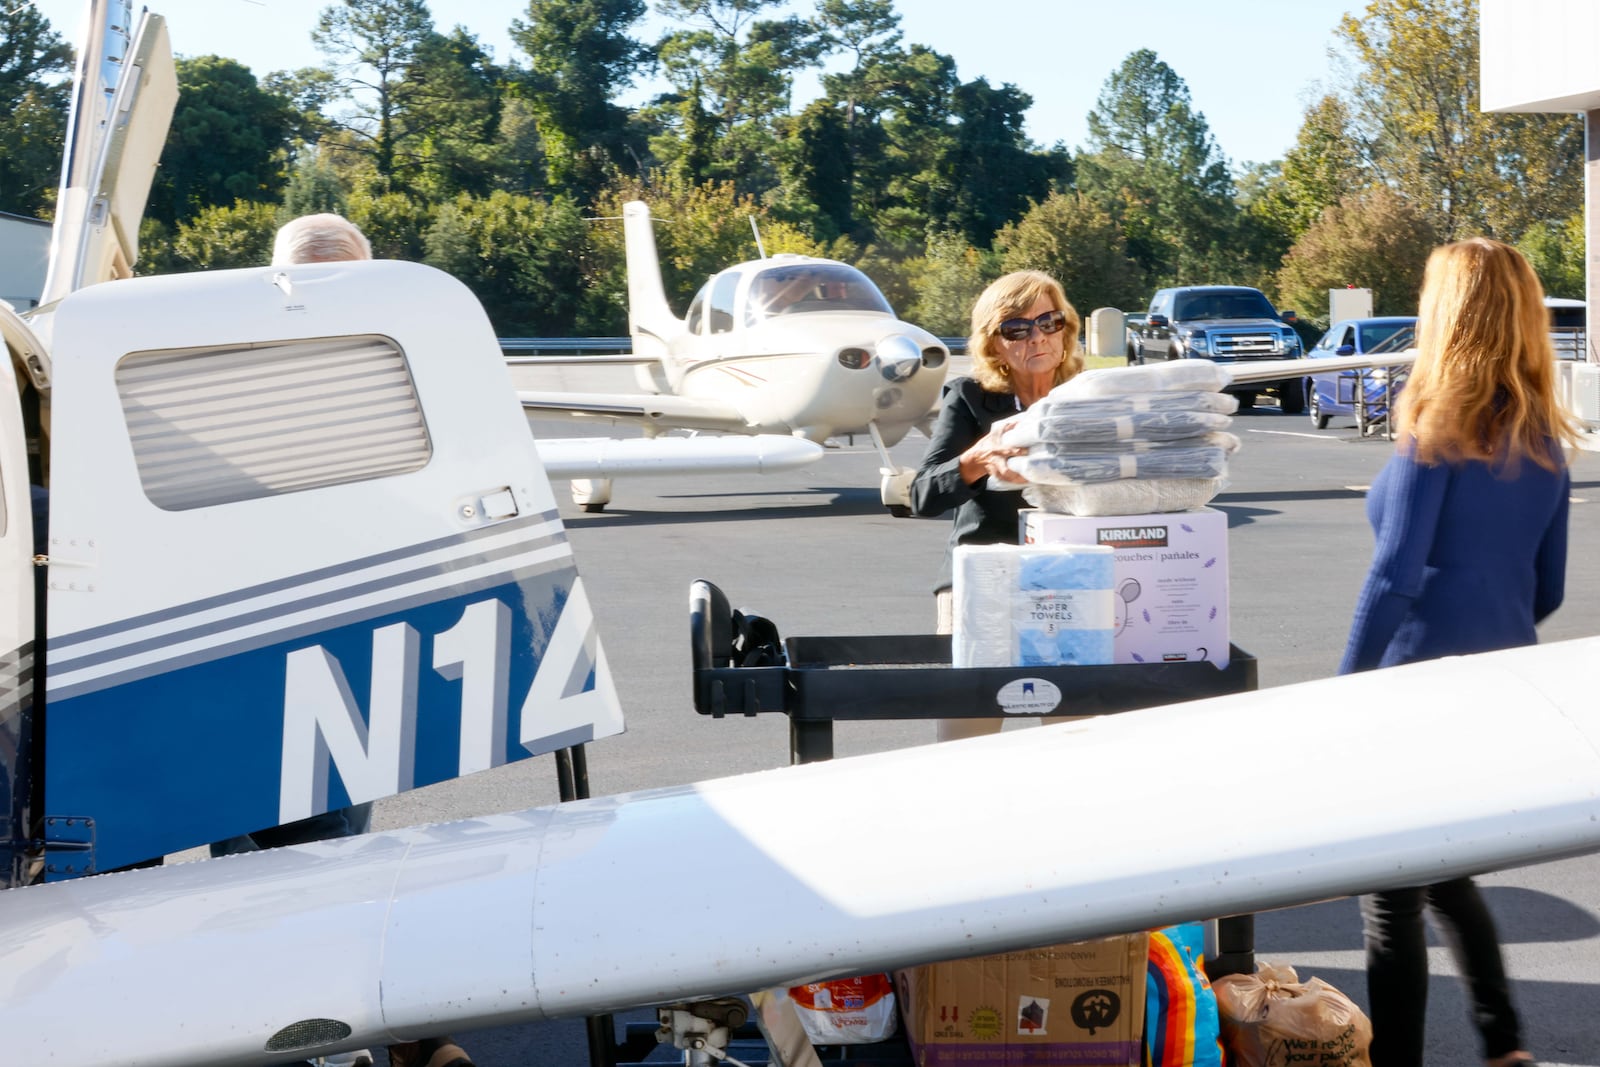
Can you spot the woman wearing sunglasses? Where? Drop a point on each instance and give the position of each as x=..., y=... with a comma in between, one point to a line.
x=1024, y=342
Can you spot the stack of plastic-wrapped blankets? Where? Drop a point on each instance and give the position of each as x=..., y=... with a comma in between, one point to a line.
x=1128, y=440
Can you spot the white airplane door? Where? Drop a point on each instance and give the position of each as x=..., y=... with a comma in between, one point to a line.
x=16, y=631
x=304, y=555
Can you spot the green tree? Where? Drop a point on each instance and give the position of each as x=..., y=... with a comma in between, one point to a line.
x=1077, y=242
x=226, y=143
x=737, y=70
x=949, y=278
x=1153, y=165
x=1556, y=250
x=313, y=188
x=1375, y=240
x=33, y=108
x=817, y=171
x=517, y=254
x=990, y=172
x=373, y=42
x=396, y=224
x=217, y=238
x=581, y=55
x=449, y=122
x=1325, y=164
x=1413, y=99
x=905, y=129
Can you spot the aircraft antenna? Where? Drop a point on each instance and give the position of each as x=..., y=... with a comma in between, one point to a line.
x=757, y=231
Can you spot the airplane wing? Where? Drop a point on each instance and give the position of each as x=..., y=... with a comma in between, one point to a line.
x=1514, y=743
x=1272, y=370
x=660, y=412
x=603, y=457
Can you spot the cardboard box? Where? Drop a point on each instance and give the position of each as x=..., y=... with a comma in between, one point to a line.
x=1077, y=1005
x=1171, y=576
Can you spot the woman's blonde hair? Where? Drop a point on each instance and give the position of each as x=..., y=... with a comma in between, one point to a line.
x=1006, y=298
x=1483, y=386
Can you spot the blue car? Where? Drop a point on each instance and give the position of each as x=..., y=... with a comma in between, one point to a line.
x=1328, y=395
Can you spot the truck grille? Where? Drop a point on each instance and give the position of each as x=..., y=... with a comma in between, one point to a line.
x=1247, y=345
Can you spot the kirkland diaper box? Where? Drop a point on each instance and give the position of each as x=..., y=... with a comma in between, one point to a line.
x=1170, y=579
x=1080, y=1005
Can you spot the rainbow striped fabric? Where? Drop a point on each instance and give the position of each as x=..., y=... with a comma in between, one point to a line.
x=1181, y=1028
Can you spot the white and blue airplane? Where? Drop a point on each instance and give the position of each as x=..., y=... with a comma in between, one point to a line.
x=301, y=551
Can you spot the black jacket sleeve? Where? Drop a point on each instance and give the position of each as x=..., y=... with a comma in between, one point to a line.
x=938, y=486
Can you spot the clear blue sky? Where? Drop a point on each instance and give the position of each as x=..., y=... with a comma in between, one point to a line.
x=1252, y=66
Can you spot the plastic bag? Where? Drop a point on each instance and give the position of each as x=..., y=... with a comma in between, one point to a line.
x=1272, y=1019
x=1191, y=400
x=1180, y=1016
x=1126, y=496
x=846, y=1011
x=1067, y=467
x=1176, y=376
x=1062, y=426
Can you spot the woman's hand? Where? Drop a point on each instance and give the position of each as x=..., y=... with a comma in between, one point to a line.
x=988, y=456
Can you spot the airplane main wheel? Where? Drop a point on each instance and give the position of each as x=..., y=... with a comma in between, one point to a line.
x=899, y=511
x=594, y=508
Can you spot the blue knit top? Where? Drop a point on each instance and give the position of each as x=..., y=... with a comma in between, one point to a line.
x=1468, y=558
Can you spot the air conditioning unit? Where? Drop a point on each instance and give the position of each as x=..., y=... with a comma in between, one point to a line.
x=1585, y=396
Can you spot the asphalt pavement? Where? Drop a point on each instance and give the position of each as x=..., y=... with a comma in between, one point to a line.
x=814, y=551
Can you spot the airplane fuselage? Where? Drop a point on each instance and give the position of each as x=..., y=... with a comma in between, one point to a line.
x=816, y=379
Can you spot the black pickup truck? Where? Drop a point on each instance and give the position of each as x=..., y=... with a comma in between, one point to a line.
x=1225, y=324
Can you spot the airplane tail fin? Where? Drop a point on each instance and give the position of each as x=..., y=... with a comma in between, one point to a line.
x=650, y=319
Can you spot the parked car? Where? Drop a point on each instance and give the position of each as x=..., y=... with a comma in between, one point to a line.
x=1225, y=324
x=1568, y=320
x=1330, y=395
x=1132, y=324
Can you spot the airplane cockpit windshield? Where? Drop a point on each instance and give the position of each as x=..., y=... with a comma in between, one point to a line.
x=803, y=287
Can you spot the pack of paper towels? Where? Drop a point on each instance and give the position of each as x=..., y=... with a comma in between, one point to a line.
x=1032, y=605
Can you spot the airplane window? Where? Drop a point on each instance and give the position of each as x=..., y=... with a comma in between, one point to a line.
x=320, y=412
x=697, y=308
x=723, y=286
x=802, y=287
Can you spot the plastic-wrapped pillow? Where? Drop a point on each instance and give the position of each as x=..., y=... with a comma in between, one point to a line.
x=1069, y=467
x=1125, y=496
x=1221, y=403
x=1174, y=376
x=1139, y=426
x=1215, y=439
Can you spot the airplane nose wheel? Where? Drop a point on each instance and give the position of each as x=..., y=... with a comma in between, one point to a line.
x=702, y=1030
x=894, y=489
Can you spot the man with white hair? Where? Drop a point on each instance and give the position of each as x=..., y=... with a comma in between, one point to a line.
x=328, y=238
x=324, y=238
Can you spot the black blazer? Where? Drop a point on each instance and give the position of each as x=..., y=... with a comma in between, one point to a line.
x=984, y=516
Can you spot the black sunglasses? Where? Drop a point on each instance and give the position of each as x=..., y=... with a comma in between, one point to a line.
x=1021, y=329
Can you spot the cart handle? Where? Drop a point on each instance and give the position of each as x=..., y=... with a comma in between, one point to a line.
x=710, y=626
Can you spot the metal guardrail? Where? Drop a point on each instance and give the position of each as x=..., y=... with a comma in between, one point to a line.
x=611, y=346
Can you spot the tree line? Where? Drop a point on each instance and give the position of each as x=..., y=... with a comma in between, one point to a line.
x=509, y=176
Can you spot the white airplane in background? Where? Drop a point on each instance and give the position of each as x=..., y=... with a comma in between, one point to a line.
x=791, y=349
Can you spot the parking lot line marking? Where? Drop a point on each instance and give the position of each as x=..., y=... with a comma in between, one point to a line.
x=1291, y=433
